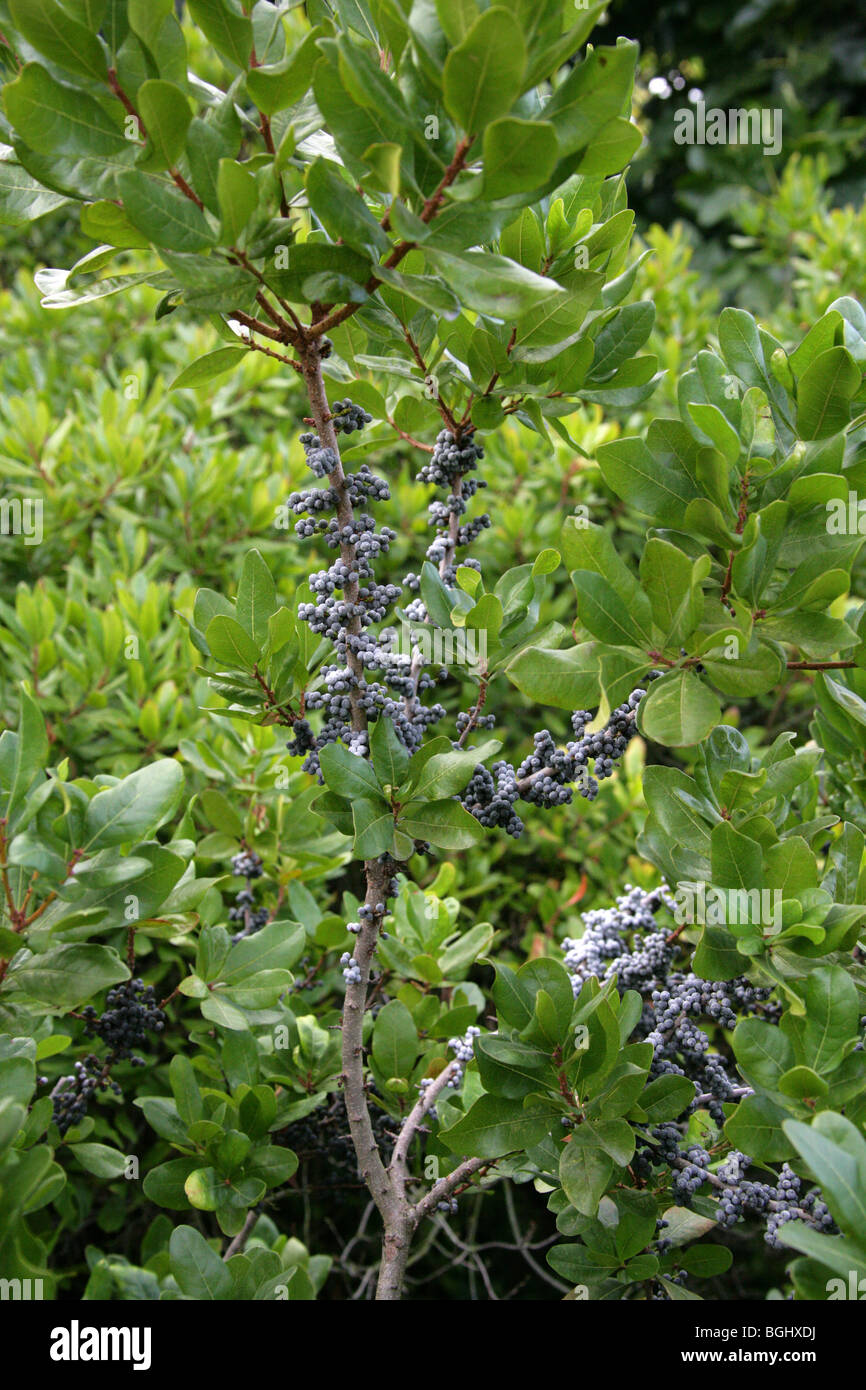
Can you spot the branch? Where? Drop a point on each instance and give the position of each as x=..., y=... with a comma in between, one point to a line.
x=422, y=1107
x=820, y=665
x=428, y=212
x=240, y=1239
x=446, y=1187
x=129, y=107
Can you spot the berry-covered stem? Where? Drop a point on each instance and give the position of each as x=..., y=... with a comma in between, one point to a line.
x=392, y=1206
x=311, y=366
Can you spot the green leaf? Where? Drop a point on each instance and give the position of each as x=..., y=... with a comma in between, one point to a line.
x=67, y=976
x=741, y=347
x=230, y=31
x=494, y=284
x=446, y=824
x=341, y=210
x=348, y=774
x=277, y=946
x=30, y=750
x=824, y=394
x=165, y=114
x=837, y=1253
x=518, y=154
x=275, y=86
x=23, y=199
x=836, y=1154
x=237, y=197
x=602, y=612
x=564, y=679
x=60, y=120
x=165, y=215
x=55, y=33
x=756, y=1128
x=763, y=1052
x=612, y=148
x=510, y=1068
x=390, y=756
x=373, y=823
x=678, y=711
x=705, y=1261
x=456, y=959
x=212, y=364
x=622, y=337
x=135, y=807
x=593, y=94
x=832, y=1016
x=99, y=1159
x=482, y=76
x=395, y=1040
x=197, y=1268
x=231, y=643
x=669, y=580
x=185, y=1089
x=257, y=597
x=713, y=423
x=667, y=1097
x=585, y=1170
x=495, y=1126
x=447, y=773
x=641, y=480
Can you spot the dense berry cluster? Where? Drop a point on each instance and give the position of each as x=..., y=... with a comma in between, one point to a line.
x=348, y=602
x=547, y=776
x=131, y=1013
x=248, y=865
x=490, y=796
x=452, y=460
x=72, y=1093
x=626, y=942
x=347, y=418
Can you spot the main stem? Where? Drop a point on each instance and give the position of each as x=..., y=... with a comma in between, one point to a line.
x=387, y=1186
x=392, y=1206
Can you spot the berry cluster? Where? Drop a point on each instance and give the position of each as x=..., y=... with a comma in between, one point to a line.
x=464, y=1050
x=366, y=914
x=347, y=418
x=348, y=601
x=490, y=796
x=449, y=464
x=131, y=1013
x=546, y=776
x=625, y=942
x=351, y=969
x=71, y=1095
x=247, y=865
